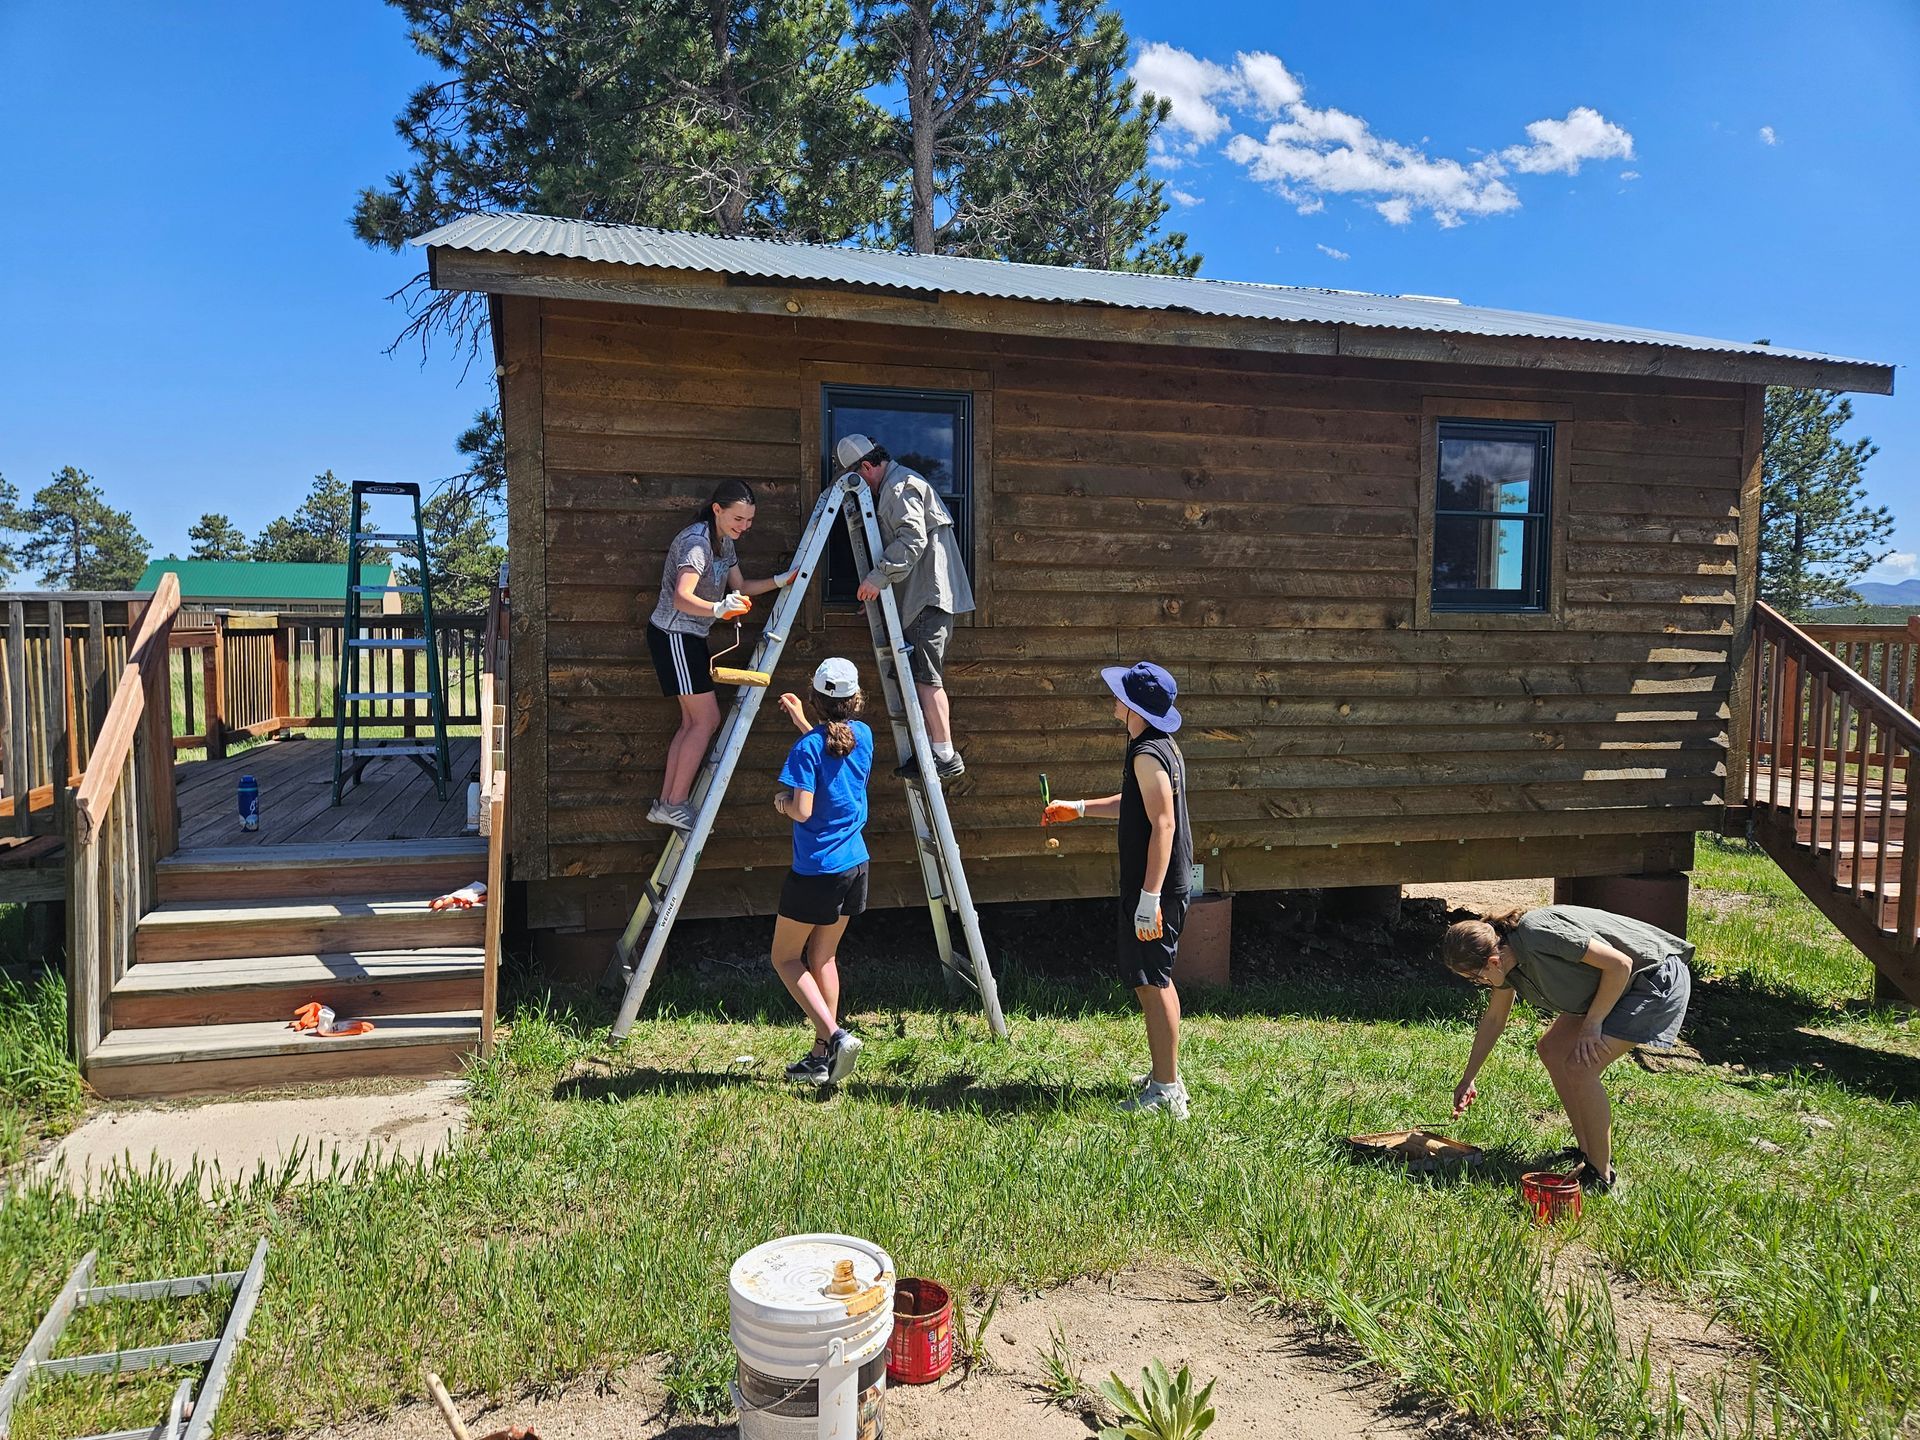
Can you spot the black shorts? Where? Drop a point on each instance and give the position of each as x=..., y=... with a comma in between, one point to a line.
x=1150, y=962
x=823, y=899
x=681, y=662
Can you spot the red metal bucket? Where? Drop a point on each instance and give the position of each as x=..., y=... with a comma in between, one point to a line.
x=921, y=1350
x=1551, y=1196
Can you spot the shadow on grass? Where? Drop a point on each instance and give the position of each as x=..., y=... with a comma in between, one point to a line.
x=1735, y=1022
x=959, y=1091
x=629, y=1083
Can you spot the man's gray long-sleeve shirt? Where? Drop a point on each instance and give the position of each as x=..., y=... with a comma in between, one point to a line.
x=921, y=555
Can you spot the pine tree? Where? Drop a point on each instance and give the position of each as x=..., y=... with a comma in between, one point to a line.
x=462, y=557
x=12, y=522
x=1062, y=178
x=79, y=542
x=215, y=537
x=316, y=533
x=1818, y=534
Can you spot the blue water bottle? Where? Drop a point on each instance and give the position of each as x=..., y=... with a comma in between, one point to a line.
x=249, y=803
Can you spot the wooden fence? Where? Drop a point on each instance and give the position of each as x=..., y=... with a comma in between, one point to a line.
x=253, y=675
x=1888, y=656
x=57, y=654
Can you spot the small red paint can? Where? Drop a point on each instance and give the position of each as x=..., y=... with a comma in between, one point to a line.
x=921, y=1350
x=1551, y=1196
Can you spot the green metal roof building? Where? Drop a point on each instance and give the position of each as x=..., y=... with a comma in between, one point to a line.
x=263, y=585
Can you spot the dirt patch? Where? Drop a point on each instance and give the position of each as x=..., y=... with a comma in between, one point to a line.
x=1485, y=897
x=1273, y=1380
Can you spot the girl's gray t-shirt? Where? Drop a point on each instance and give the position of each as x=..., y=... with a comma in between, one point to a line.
x=1547, y=945
x=693, y=549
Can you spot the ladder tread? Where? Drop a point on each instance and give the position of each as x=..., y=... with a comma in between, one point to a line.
x=389, y=695
x=388, y=537
x=390, y=643
x=391, y=750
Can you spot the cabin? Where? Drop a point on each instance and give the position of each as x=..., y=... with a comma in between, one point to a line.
x=272, y=587
x=1450, y=592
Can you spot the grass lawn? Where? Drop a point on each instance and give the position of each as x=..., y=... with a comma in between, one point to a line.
x=590, y=1216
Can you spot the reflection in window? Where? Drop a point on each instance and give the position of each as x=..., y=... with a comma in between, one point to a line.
x=928, y=431
x=1490, y=534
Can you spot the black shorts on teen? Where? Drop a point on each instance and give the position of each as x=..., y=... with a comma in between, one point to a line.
x=1150, y=962
x=681, y=662
x=823, y=899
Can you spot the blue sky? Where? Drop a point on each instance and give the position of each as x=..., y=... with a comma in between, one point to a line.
x=191, y=320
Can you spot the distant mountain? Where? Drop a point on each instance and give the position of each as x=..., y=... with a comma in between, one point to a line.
x=1872, y=592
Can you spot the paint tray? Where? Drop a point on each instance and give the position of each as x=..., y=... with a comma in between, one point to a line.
x=1415, y=1149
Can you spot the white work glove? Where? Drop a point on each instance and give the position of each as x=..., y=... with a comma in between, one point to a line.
x=734, y=605
x=780, y=582
x=1146, y=917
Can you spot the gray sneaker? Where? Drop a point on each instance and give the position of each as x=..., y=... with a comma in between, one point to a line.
x=660, y=814
x=1170, y=1099
x=809, y=1069
x=680, y=817
x=842, y=1054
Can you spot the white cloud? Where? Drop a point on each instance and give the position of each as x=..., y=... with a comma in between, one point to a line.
x=1767, y=137
x=1182, y=197
x=1629, y=174
x=1900, y=565
x=1332, y=253
x=1562, y=146
x=1309, y=153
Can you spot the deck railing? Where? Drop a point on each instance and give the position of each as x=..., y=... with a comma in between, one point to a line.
x=494, y=681
x=244, y=676
x=120, y=821
x=1827, y=763
x=1887, y=655
x=57, y=652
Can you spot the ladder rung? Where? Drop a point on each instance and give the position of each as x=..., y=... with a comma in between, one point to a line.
x=163, y=1289
x=391, y=539
x=388, y=695
x=386, y=589
x=358, y=644
x=109, y=1362
x=392, y=750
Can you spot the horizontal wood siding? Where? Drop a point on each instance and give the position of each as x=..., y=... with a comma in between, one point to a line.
x=1251, y=521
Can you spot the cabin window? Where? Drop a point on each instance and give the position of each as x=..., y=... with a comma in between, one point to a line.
x=928, y=431
x=1491, y=516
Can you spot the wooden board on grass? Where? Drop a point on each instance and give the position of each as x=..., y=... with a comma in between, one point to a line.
x=1416, y=1149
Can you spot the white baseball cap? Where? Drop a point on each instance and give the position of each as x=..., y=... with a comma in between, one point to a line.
x=836, y=678
x=851, y=450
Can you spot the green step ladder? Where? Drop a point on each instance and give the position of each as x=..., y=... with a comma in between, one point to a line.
x=351, y=756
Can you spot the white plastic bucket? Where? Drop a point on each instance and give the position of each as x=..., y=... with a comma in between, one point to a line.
x=811, y=1318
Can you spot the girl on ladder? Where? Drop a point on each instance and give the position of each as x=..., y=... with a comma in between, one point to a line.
x=699, y=584
x=825, y=796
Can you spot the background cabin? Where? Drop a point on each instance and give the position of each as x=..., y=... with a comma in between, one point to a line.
x=1451, y=593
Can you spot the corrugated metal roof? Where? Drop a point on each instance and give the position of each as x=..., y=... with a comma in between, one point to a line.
x=845, y=265
x=260, y=579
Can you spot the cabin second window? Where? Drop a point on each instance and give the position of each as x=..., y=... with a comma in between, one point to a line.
x=928, y=431
x=1491, y=519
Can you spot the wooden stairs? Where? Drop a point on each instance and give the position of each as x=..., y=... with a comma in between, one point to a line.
x=1830, y=755
x=241, y=937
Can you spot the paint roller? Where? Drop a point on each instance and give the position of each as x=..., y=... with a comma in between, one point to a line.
x=727, y=675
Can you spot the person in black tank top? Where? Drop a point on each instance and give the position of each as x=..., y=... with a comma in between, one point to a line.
x=1156, y=865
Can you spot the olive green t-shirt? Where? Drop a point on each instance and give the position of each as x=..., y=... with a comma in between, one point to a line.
x=1547, y=945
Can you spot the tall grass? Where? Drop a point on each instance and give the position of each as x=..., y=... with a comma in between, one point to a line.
x=40, y=1088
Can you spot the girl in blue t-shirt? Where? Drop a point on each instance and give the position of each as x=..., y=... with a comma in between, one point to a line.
x=825, y=795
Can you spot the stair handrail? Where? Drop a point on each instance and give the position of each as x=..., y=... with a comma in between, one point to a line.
x=121, y=820
x=1794, y=638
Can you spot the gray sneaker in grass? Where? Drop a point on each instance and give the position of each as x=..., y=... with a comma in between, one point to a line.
x=843, y=1052
x=1168, y=1099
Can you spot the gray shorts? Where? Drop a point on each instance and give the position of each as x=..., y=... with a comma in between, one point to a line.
x=928, y=635
x=1654, y=1005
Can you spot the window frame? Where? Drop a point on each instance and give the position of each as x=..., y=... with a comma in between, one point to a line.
x=1439, y=412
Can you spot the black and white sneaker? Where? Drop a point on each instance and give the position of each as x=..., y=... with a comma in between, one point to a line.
x=946, y=769
x=843, y=1052
x=809, y=1069
x=1594, y=1183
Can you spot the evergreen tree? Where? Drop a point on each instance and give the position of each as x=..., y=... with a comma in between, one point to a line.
x=462, y=557
x=1061, y=178
x=316, y=533
x=215, y=537
x=12, y=522
x=79, y=542
x=1818, y=534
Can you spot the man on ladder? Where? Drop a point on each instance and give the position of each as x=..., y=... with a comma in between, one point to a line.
x=936, y=849
x=920, y=560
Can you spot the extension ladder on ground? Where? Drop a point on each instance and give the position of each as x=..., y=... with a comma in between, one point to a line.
x=939, y=854
x=352, y=754
x=191, y=1415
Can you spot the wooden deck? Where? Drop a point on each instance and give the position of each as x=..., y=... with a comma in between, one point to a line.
x=397, y=801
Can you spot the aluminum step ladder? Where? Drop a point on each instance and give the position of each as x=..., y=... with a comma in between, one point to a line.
x=191, y=1414
x=630, y=973
x=351, y=756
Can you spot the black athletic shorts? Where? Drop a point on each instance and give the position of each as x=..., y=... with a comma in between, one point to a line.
x=1150, y=962
x=681, y=661
x=823, y=899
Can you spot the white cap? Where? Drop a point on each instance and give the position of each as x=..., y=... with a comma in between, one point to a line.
x=836, y=678
x=851, y=450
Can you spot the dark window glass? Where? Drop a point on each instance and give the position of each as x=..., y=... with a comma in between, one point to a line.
x=1492, y=500
x=928, y=431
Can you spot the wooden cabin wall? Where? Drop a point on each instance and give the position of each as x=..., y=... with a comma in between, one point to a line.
x=1249, y=521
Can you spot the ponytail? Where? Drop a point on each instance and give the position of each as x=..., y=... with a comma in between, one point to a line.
x=838, y=717
x=726, y=493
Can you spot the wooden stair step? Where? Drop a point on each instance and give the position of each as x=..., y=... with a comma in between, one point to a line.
x=263, y=872
x=206, y=930
x=204, y=1059
x=162, y=993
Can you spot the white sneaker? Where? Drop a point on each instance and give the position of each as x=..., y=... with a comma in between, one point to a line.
x=1172, y=1099
x=660, y=814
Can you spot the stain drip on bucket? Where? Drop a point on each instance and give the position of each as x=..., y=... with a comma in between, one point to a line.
x=811, y=1322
